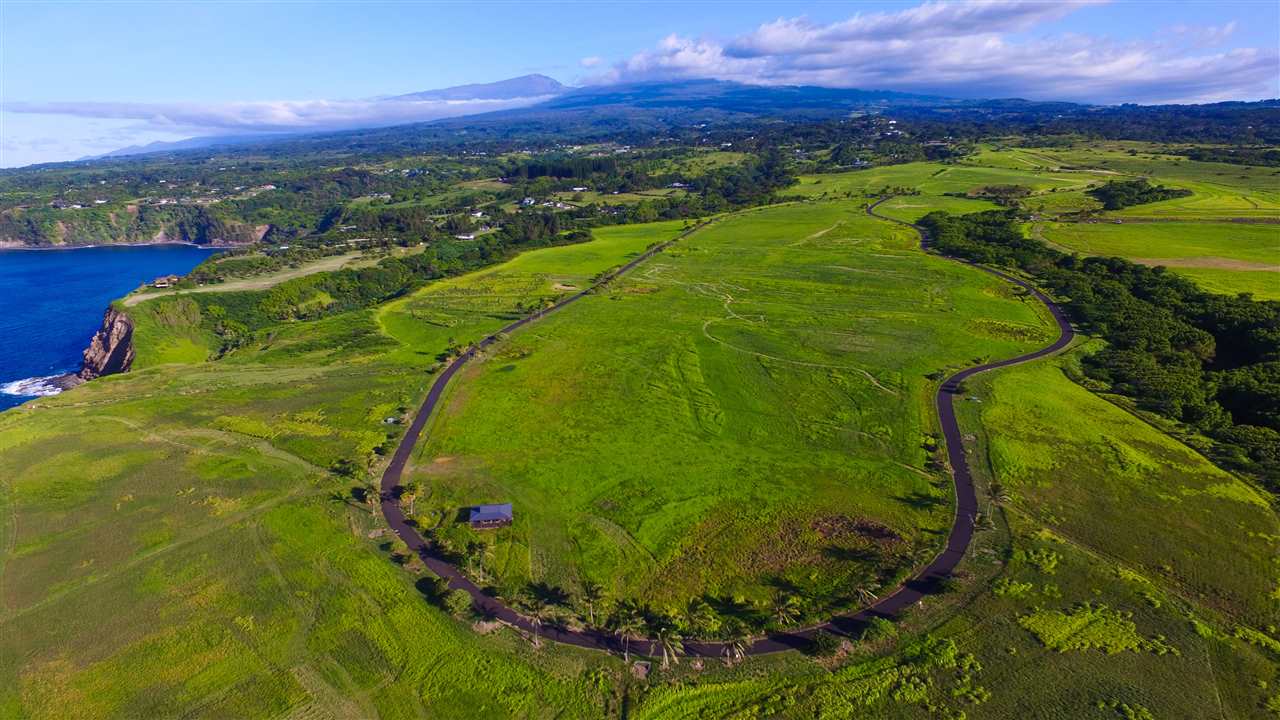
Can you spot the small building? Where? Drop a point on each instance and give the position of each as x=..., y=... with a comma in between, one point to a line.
x=484, y=517
x=165, y=281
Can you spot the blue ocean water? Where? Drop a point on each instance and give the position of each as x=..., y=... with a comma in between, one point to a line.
x=52, y=301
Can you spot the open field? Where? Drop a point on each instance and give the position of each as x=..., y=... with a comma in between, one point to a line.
x=1219, y=190
x=623, y=198
x=910, y=208
x=183, y=538
x=1239, y=257
x=699, y=163
x=774, y=364
x=1104, y=509
x=269, y=280
x=1085, y=597
x=934, y=179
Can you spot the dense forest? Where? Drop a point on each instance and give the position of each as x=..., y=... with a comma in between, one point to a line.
x=1206, y=360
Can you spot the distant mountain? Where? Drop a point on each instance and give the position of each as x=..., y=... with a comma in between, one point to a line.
x=525, y=86
x=194, y=143
x=530, y=87
x=739, y=98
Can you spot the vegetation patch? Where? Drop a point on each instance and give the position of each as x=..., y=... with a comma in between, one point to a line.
x=1090, y=627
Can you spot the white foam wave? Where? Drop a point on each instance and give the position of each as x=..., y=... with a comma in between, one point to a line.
x=32, y=387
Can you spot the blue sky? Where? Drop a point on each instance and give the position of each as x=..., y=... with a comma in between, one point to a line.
x=78, y=78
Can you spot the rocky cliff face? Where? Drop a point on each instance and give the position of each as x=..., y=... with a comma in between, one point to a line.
x=111, y=350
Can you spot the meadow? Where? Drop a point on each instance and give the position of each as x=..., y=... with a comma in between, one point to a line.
x=1220, y=190
x=747, y=412
x=934, y=179
x=621, y=198
x=195, y=537
x=1094, y=589
x=1221, y=257
x=191, y=538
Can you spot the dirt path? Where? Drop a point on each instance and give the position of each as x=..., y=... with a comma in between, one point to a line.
x=260, y=282
x=899, y=599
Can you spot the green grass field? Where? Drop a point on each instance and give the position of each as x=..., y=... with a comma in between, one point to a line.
x=176, y=540
x=1219, y=190
x=623, y=198
x=189, y=539
x=910, y=208
x=933, y=179
x=1222, y=257
x=1097, y=590
x=737, y=414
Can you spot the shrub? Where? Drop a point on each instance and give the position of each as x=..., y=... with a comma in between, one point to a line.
x=458, y=603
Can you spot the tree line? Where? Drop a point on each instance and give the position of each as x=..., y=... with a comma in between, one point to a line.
x=1209, y=361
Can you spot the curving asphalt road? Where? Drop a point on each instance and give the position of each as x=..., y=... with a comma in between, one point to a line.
x=902, y=597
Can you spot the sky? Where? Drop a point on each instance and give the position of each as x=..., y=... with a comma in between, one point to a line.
x=87, y=77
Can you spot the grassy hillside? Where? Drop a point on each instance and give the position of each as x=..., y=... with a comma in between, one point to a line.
x=748, y=411
x=193, y=538
x=1222, y=257
x=184, y=539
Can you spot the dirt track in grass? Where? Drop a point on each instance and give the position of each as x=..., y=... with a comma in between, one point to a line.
x=929, y=579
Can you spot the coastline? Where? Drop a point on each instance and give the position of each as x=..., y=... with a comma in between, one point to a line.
x=212, y=246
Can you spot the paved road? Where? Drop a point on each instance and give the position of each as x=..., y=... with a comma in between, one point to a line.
x=901, y=598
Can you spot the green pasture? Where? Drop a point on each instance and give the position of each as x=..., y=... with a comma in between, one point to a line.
x=747, y=411
x=1220, y=190
x=745, y=415
x=933, y=179
x=589, y=197
x=1135, y=567
x=1224, y=257
x=910, y=208
x=700, y=163
x=184, y=539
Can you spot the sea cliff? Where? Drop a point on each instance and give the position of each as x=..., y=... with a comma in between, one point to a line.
x=110, y=351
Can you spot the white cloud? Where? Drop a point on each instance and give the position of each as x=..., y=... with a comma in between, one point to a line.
x=270, y=116
x=974, y=49
x=590, y=61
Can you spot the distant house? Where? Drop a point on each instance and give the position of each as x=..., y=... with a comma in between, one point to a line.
x=527, y=201
x=484, y=517
x=579, y=188
x=165, y=281
x=466, y=236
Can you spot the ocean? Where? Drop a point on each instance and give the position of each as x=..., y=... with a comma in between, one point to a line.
x=52, y=301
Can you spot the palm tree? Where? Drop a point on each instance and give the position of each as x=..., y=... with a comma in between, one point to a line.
x=667, y=634
x=478, y=550
x=787, y=608
x=626, y=621
x=735, y=648
x=535, y=608
x=703, y=619
x=592, y=593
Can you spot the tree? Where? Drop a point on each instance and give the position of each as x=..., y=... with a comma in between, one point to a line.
x=735, y=647
x=702, y=619
x=666, y=632
x=787, y=608
x=458, y=603
x=879, y=629
x=627, y=621
x=824, y=644
x=592, y=593
x=478, y=552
